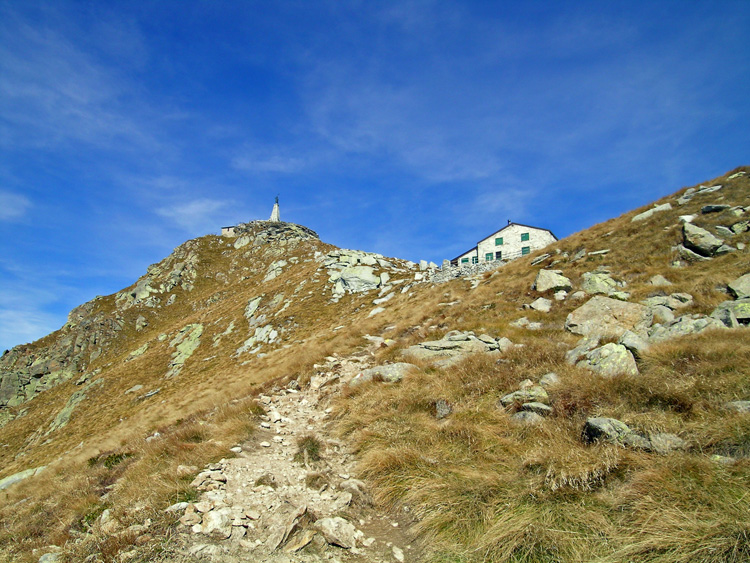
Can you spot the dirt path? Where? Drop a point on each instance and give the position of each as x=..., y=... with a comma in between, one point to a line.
x=274, y=504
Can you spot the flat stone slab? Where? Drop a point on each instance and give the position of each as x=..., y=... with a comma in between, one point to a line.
x=607, y=317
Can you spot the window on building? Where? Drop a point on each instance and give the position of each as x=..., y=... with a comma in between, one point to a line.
x=464, y=260
x=475, y=259
x=498, y=255
x=488, y=257
x=499, y=241
x=524, y=236
x=525, y=250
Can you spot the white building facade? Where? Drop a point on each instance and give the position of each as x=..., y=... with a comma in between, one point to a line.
x=512, y=241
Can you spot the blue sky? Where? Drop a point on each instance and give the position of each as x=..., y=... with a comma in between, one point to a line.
x=410, y=128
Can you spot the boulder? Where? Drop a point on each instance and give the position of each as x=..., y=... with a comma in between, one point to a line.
x=543, y=305
x=551, y=279
x=740, y=287
x=682, y=326
x=610, y=360
x=690, y=256
x=605, y=429
x=700, y=240
x=603, y=316
x=527, y=417
x=584, y=346
x=739, y=308
x=725, y=314
x=633, y=342
x=337, y=531
x=549, y=379
x=599, y=283
x=659, y=281
x=218, y=523
x=535, y=394
x=663, y=443
x=738, y=406
x=648, y=213
x=539, y=408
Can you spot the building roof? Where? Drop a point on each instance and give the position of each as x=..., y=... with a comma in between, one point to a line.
x=519, y=225
x=510, y=224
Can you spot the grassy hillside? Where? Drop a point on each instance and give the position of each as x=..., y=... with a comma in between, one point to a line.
x=479, y=486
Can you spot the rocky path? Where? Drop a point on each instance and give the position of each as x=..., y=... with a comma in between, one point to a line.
x=276, y=502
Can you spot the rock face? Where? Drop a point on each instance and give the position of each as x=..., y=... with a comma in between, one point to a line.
x=551, y=279
x=603, y=316
x=185, y=343
x=682, y=326
x=700, y=240
x=595, y=283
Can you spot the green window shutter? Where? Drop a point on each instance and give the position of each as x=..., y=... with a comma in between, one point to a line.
x=524, y=236
x=488, y=257
x=464, y=260
x=525, y=250
x=498, y=241
x=475, y=260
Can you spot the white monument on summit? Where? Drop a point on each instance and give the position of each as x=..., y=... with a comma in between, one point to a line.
x=275, y=215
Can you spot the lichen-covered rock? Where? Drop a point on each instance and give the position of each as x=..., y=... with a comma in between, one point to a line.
x=740, y=309
x=606, y=317
x=682, y=326
x=595, y=283
x=551, y=279
x=610, y=360
x=185, y=343
x=542, y=305
x=534, y=394
x=605, y=429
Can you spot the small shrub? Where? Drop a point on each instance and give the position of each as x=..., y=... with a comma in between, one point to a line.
x=308, y=449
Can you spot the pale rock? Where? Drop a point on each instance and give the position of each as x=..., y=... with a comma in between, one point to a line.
x=700, y=240
x=610, y=360
x=682, y=326
x=549, y=379
x=218, y=523
x=738, y=406
x=740, y=288
x=584, y=346
x=561, y=295
x=659, y=281
x=650, y=212
x=690, y=256
x=603, y=316
x=543, y=305
x=376, y=311
x=551, y=279
x=633, y=342
x=663, y=443
x=398, y=555
x=191, y=519
x=686, y=218
x=527, y=417
x=536, y=394
x=337, y=531
x=177, y=507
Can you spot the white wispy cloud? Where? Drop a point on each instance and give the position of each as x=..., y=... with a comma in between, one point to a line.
x=197, y=214
x=13, y=206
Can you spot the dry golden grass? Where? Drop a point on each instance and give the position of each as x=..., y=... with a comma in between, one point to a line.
x=481, y=487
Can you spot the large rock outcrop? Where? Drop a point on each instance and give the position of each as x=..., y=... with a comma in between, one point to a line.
x=606, y=317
